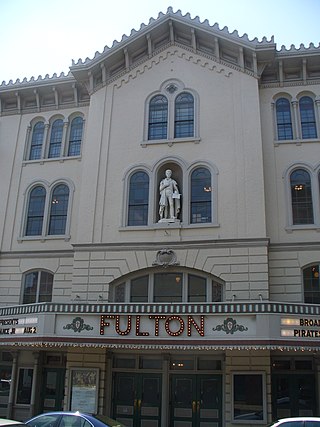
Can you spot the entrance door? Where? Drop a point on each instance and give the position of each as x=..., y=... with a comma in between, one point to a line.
x=196, y=401
x=293, y=396
x=52, y=389
x=137, y=399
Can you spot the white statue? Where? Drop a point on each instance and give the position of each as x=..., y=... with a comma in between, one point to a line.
x=169, y=198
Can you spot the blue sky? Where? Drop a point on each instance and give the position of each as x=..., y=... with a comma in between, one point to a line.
x=39, y=37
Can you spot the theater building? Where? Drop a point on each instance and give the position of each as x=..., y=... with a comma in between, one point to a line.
x=159, y=231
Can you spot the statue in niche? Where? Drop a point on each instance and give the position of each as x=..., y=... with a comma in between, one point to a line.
x=169, y=199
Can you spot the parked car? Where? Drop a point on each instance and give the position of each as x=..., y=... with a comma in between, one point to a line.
x=297, y=422
x=72, y=419
x=10, y=423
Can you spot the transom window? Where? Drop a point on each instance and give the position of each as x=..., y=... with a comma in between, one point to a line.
x=168, y=287
x=37, y=287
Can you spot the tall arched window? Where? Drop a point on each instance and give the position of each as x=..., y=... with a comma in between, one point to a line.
x=307, y=117
x=201, y=195
x=184, y=116
x=311, y=282
x=301, y=197
x=158, y=118
x=138, y=199
x=36, y=141
x=35, y=211
x=284, y=122
x=56, y=139
x=37, y=287
x=58, y=210
x=75, y=137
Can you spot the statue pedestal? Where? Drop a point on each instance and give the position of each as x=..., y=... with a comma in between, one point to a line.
x=170, y=220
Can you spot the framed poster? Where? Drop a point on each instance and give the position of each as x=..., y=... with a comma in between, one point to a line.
x=84, y=390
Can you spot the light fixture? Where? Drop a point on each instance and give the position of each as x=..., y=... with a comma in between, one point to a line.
x=298, y=187
x=207, y=189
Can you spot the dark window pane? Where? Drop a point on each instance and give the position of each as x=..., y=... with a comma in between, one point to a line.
x=35, y=212
x=138, y=199
x=30, y=288
x=247, y=397
x=158, y=118
x=46, y=283
x=311, y=284
x=216, y=292
x=284, y=122
x=168, y=287
x=307, y=117
x=301, y=197
x=36, y=141
x=59, y=210
x=75, y=137
x=56, y=139
x=201, y=193
x=139, y=289
x=24, y=386
x=196, y=288
x=184, y=116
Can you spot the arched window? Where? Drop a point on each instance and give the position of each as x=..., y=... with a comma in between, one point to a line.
x=284, y=123
x=35, y=211
x=138, y=199
x=170, y=287
x=307, y=117
x=36, y=141
x=56, y=139
x=158, y=118
x=184, y=116
x=311, y=282
x=301, y=197
x=58, y=210
x=37, y=287
x=75, y=137
x=201, y=194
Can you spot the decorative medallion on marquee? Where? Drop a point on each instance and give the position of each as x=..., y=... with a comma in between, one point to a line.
x=165, y=258
x=230, y=326
x=78, y=325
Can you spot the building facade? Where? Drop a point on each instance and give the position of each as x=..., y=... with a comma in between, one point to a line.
x=159, y=225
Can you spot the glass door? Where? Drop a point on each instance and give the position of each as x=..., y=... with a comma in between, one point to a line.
x=196, y=401
x=137, y=399
x=52, y=389
x=293, y=395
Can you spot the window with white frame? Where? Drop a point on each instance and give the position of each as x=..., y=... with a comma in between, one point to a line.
x=296, y=118
x=311, y=284
x=301, y=197
x=171, y=114
x=138, y=199
x=55, y=139
x=284, y=120
x=47, y=210
x=178, y=286
x=37, y=287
